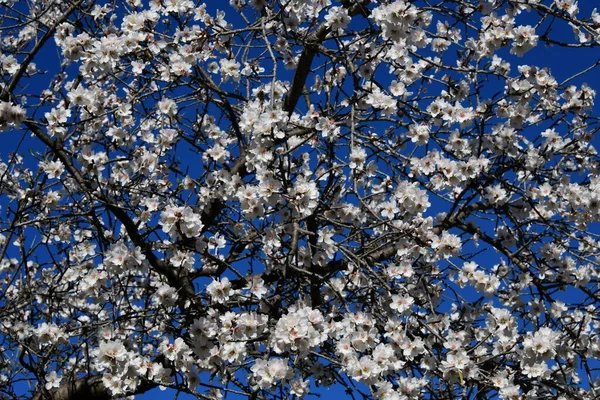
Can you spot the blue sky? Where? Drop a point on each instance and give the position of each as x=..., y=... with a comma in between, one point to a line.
x=563, y=63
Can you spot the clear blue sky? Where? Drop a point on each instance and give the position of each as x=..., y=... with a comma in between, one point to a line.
x=563, y=63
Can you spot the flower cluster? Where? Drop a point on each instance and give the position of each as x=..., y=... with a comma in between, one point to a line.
x=11, y=115
x=269, y=372
x=178, y=220
x=299, y=331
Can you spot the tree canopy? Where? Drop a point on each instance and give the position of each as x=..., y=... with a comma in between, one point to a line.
x=266, y=197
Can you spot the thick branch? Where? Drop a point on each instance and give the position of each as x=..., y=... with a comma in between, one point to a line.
x=182, y=284
x=214, y=208
x=88, y=388
x=308, y=54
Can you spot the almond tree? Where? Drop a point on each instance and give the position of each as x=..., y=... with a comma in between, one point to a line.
x=395, y=197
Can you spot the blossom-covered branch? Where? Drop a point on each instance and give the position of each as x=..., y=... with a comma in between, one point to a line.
x=266, y=197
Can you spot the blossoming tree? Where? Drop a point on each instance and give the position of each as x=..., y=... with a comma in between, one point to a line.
x=390, y=196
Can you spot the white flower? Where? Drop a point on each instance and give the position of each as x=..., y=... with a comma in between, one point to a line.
x=304, y=196
x=9, y=64
x=418, y=134
x=53, y=169
x=300, y=388
x=397, y=88
x=172, y=351
x=337, y=18
x=364, y=369
x=167, y=107
x=266, y=373
x=256, y=285
x=496, y=194
x=49, y=334
x=52, y=380
x=233, y=351
x=535, y=370
x=299, y=331
x=10, y=114
x=80, y=96
x=456, y=360
x=217, y=153
x=230, y=69
x=220, y=290
x=358, y=155
x=216, y=242
x=327, y=127
x=182, y=219
x=525, y=39
x=542, y=344
x=402, y=303
x=447, y=245
x=165, y=295
x=111, y=353
x=382, y=101
x=182, y=259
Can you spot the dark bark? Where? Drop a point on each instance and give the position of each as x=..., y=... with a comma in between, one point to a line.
x=88, y=388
